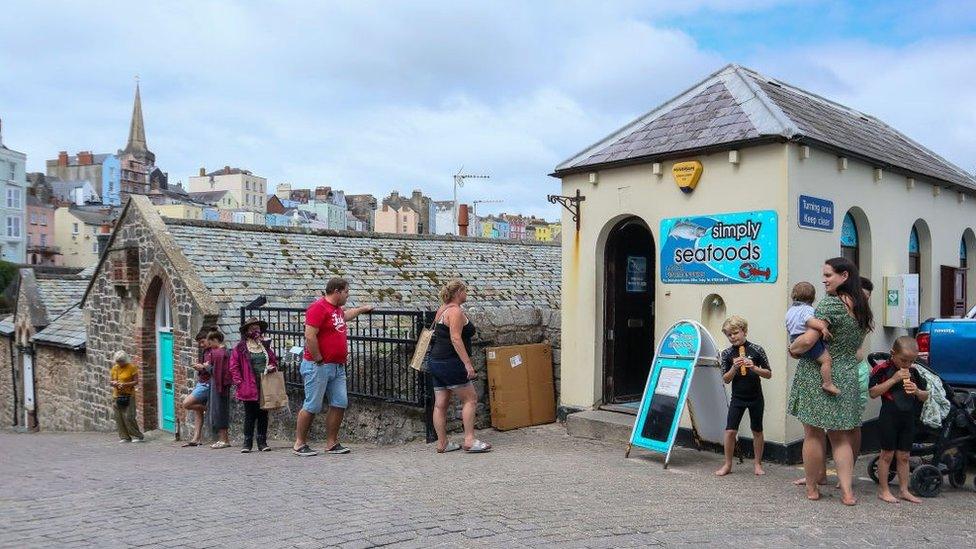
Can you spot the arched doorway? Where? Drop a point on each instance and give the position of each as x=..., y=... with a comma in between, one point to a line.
x=164, y=362
x=630, y=272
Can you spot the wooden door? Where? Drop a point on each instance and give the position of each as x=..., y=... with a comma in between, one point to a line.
x=952, y=297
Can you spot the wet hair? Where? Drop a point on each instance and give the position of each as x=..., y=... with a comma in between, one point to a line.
x=451, y=290
x=904, y=344
x=336, y=285
x=215, y=335
x=866, y=284
x=121, y=357
x=854, y=291
x=735, y=322
x=804, y=292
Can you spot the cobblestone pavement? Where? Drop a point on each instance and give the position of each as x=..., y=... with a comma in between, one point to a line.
x=538, y=487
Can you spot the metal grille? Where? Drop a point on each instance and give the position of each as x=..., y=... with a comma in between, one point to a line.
x=381, y=344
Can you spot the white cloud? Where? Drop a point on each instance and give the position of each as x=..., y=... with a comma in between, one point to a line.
x=371, y=96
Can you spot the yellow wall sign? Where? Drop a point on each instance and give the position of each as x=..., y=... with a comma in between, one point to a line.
x=687, y=174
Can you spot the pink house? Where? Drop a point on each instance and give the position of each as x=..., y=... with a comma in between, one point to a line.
x=40, y=234
x=516, y=226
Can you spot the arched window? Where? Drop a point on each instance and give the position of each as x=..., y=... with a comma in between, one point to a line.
x=962, y=253
x=914, y=255
x=849, y=248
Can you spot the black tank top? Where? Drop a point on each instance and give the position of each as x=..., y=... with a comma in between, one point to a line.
x=442, y=346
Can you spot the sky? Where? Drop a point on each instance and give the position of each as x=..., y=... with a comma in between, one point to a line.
x=371, y=97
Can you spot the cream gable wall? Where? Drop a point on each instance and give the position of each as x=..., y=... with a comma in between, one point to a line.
x=77, y=250
x=758, y=182
x=767, y=177
x=891, y=209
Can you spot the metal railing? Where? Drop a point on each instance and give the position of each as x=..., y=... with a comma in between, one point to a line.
x=381, y=344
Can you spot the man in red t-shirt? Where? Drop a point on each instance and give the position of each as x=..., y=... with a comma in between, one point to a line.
x=323, y=368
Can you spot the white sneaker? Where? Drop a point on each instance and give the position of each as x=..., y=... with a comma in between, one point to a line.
x=138, y=440
x=121, y=440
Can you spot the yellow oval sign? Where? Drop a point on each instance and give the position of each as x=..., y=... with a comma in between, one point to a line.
x=687, y=174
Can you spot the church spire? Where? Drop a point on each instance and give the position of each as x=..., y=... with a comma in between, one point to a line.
x=137, y=133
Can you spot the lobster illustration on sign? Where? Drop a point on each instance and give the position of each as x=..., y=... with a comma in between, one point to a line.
x=750, y=271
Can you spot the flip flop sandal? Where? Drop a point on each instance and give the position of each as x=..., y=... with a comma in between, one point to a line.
x=478, y=447
x=451, y=447
x=219, y=444
x=189, y=444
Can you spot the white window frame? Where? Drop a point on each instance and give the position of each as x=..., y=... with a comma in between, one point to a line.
x=13, y=226
x=13, y=197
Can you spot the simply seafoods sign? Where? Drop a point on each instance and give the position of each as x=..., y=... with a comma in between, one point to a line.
x=728, y=248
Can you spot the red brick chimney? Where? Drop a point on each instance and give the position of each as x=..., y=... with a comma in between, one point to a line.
x=226, y=170
x=63, y=158
x=463, y=220
x=85, y=158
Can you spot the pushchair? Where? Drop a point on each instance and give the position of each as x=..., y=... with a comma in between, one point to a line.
x=939, y=452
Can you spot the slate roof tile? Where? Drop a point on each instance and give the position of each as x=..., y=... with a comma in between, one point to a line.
x=67, y=330
x=737, y=105
x=291, y=267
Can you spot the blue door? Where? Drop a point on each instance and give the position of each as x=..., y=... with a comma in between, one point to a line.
x=167, y=385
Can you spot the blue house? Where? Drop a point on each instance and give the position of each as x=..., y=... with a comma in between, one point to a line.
x=111, y=179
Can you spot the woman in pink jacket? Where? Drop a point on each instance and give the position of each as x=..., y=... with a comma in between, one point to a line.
x=249, y=359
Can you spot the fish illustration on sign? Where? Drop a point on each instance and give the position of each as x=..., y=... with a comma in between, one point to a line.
x=687, y=230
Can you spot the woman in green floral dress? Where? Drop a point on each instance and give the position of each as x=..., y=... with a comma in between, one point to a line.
x=849, y=316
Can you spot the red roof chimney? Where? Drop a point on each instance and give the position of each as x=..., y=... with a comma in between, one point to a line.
x=463, y=220
x=63, y=158
x=85, y=158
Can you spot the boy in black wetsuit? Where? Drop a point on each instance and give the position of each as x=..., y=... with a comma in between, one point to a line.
x=743, y=364
x=902, y=390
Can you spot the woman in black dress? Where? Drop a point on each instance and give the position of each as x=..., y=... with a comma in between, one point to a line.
x=451, y=369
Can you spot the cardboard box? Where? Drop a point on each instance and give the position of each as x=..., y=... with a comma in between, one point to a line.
x=520, y=384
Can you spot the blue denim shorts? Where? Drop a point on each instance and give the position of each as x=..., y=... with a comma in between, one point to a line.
x=201, y=392
x=321, y=380
x=814, y=353
x=447, y=373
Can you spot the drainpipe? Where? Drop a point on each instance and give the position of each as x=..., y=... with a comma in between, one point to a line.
x=13, y=383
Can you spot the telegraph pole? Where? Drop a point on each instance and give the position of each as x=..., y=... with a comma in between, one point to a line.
x=459, y=182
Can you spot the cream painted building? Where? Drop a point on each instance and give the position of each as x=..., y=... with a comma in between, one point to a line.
x=761, y=144
x=180, y=211
x=77, y=232
x=396, y=215
x=248, y=189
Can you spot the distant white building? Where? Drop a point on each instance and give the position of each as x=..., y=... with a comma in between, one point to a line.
x=13, y=182
x=444, y=215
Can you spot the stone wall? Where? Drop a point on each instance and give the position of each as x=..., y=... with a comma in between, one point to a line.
x=62, y=404
x=147, y=256
x=123, y=317
x=384, y=423
x=7, y=389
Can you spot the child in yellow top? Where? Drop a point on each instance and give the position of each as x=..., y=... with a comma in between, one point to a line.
x=124, y=378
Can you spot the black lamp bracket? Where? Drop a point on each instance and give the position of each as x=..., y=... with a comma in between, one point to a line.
x=571, y=203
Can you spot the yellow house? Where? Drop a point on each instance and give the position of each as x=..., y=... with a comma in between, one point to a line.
x=701, y=217
x=555, y=229
x=222, y=200
x=77, y=231
x=180, y=211
x=487, y=227
x=542, y=233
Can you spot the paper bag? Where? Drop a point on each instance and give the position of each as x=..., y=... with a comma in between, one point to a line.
x=273, y=395
x=420, y=351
